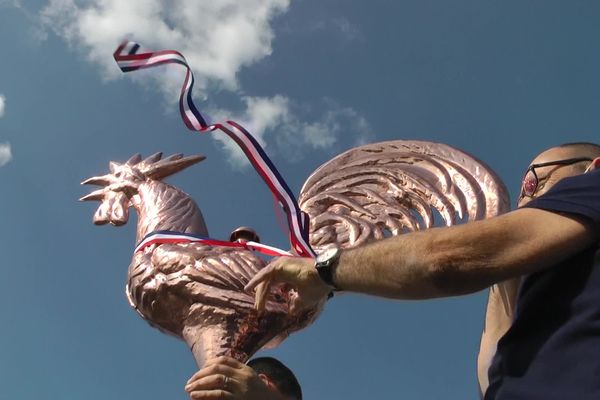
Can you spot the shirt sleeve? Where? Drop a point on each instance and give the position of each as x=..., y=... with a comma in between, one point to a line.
x=579, y=195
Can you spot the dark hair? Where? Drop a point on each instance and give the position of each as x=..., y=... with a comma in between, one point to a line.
x=281, y=376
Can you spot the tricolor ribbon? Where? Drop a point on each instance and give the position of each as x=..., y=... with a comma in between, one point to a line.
x=161, y=237
x=128, y=59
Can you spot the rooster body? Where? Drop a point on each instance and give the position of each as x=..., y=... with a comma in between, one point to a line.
x=195, y=291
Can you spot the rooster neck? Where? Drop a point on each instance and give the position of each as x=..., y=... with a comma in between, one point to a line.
x=163, y=207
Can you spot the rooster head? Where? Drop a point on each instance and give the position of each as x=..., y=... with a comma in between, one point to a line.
x=121, y=185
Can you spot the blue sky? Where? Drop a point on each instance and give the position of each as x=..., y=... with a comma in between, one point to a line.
x=501, y=80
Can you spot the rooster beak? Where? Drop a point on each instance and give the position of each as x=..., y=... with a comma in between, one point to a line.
x=104, y=180
x=95, y=195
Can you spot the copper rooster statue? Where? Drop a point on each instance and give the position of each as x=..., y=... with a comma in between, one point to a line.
x=196, y=292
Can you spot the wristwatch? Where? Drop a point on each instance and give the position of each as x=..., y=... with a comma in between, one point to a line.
x=325, y=263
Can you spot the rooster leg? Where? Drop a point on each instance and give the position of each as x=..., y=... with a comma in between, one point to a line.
x=207, y=341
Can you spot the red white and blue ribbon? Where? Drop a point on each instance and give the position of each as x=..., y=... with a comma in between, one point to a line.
x=161, y=237
x=128, y=59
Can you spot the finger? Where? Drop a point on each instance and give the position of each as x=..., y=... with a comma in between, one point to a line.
x=212, y=382
x=293, y=306
x=204, y=372
x=296, y=305
x=260, y=298
x=214, y=369
x=261, y=276
x=217, y=381
x=283, y=269
x=197, y=375
x=211, y=395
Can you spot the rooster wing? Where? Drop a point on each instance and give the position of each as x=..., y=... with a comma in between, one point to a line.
x=389, y=188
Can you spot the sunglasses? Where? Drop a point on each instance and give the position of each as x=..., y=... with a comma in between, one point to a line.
x=530, y=181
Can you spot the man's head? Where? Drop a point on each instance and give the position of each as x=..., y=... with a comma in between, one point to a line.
x=277, y=377
x=555, y=164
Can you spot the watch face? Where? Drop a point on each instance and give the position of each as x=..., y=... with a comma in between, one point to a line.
x=326, y=255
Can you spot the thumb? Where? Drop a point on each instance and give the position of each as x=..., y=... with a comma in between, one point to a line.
x=260, y=297
x=296, y=304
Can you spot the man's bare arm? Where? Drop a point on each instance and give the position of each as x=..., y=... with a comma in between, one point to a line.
x=462, y=259
x=440, y=262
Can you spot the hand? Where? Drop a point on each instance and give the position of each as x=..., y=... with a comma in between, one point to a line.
x=227, y=379
x=298, y=272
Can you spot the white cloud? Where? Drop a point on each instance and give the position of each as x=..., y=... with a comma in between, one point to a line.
x=218, y=38
x=5, y=154
x=2, y=105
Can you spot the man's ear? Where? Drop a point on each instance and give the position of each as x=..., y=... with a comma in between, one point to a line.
x=595, y=164
x=267, y=381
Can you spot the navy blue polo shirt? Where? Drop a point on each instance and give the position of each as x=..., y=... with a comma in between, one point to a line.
x=552, y=350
